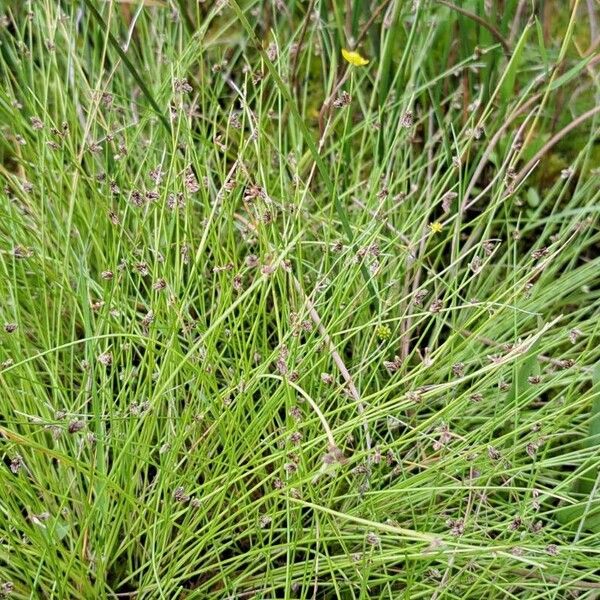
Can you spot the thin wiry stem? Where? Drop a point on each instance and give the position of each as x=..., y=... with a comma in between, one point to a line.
x=526, y=170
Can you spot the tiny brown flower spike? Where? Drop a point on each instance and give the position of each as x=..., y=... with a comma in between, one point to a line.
x=190, y=182
x=372, y=539
x=179, y=495
x=16, y=464
x=182, y=86
x=21, y=252
x=342, y=100
x=493, y=453
x=407, y=119
x=458, y=369
x=326, y=378
x=76, y=425
x=436, y=306
x=36, y=123
x=264, y=521
x=105, y=359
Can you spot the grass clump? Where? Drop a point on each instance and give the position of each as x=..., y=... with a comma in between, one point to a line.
x=283, y=324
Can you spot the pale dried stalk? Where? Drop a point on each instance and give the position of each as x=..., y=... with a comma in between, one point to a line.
x=335, y=355
x=337, y=359
x=555, y=362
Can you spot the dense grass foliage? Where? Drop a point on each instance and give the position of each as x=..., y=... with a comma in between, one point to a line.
x=276, y=324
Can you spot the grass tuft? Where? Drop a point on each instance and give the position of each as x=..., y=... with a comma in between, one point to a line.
x=282, y=322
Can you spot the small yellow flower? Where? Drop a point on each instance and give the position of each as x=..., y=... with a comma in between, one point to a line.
x=436, y=227
x=354, y=58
